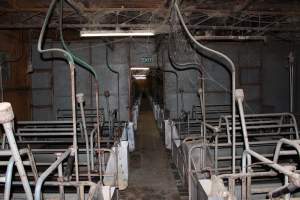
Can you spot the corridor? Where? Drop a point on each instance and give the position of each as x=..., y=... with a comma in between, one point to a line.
x=150, y=175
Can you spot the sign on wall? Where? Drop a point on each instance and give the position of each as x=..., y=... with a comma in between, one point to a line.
x=146, y=60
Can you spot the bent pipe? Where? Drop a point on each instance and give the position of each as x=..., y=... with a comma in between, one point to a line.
x=70, y=60
x=222, y=58
x=118, y=79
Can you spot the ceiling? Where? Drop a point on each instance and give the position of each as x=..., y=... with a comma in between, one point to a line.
x=252, y=17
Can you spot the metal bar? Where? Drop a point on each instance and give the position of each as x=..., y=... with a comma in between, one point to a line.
x=44, y=175
x=80, y=100
x=8, y=178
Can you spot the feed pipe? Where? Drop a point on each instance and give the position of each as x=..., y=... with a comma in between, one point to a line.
x=222, y=58
x=70, y=60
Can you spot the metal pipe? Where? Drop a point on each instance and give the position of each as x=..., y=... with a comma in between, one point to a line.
x=98, y=129
x=72, y=75
x=223, y=59
x=294, y=143
x=8, y=178
x=80, y=100
x=118, y=79
x=291, y=80
x=269, y=163
x=60, y=178
x=6, y=118
x=92, y=148
x=44, y=175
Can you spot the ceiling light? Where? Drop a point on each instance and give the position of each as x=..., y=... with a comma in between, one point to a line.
x=140, y=68
x=115, y=33
x=140, y=78
x=139, y=75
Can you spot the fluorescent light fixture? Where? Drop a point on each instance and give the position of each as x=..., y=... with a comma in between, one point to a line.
x=140, y=68
x=140, y=78
x=139, y=75
x=115, y=33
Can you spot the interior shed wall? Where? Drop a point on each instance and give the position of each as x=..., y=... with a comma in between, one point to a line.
x=51, y=83
x=261, y=69
x=16, y=80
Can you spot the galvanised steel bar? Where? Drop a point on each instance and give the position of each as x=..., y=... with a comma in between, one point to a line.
x=80, y=100
x=44, y=175
x=6, y=119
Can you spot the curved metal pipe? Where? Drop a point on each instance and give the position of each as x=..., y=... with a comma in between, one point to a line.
x=221, y=58
x=70, y=59
x=118, y=78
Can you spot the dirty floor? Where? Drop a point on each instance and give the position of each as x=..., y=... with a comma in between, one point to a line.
x=150, y=174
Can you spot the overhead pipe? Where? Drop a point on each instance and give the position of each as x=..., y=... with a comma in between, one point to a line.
x=221, y=58
x=118, y=78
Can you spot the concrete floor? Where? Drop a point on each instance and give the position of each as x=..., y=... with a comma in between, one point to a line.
x=150, y=175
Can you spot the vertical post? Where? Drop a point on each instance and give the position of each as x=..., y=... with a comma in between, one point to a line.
x=291, y=80
x=60, y=178
x=80, y=100
x=6, y=118
x=98, y=130
x=74, y=121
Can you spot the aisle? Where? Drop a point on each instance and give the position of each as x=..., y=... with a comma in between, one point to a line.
x=150, y=176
